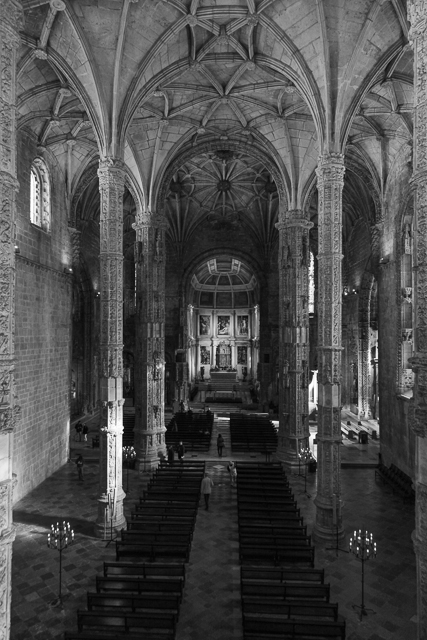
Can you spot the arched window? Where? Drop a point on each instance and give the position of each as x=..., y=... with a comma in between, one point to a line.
x=40, y=195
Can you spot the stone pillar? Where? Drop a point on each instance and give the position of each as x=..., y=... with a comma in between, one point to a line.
x=330, y=181
x=364, y=356
x=150, y=343
x=294, y=259
x=11, y=20
x=417, y=15
x=110, y=503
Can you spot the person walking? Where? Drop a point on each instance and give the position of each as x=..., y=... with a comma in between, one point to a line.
x=180, y=451
x=79, y=463
x=206, y=489
x=220, y=444
x=85, y=431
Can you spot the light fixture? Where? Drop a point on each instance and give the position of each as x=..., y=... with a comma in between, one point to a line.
x=345, y=291
x=17, y=249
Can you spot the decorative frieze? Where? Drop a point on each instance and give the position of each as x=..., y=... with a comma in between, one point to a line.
x=330, y=181
x=150, y=339
x=294, y=260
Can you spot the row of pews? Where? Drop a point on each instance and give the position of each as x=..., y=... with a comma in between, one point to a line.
x=139, y=595
x=194, y=431
x=252, y=432
x=283, y=594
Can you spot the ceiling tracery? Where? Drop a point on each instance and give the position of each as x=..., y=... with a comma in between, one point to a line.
x=181, y=74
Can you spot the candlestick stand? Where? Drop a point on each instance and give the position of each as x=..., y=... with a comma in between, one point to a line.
x=129, y=455
x=335, y=519
x=362, y=545
x=60, y=537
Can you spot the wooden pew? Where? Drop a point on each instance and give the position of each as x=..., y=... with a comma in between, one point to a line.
x=127, y=622
x=254, y=607
x=164, y=571
x=263, y=628
x=277, y=553
x=282, y=574
x=134, y=603
x=152, y=550
x=285, y=590
x=139, y=585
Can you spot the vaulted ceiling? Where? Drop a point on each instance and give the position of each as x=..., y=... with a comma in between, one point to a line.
x=170, y=85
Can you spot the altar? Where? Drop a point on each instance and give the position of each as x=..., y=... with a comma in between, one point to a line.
x=223, y=376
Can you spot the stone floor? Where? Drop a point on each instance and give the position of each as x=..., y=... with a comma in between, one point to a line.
x=211, y=603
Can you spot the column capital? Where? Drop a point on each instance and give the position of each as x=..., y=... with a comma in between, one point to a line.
x=330, y=167
x=111, y=172
x=148, y=218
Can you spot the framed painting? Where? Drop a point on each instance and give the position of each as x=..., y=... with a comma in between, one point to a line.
x=204, y=325
x=223, y=325
x=242, y=355
x=242, y=325
x=205, y=355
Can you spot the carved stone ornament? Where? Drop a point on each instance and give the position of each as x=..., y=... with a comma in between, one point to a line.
x=417, y=16
x=192, y=21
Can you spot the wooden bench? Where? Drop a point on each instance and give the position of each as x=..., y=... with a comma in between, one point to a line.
x=143, y=537
x=263, y=628
x=266, y=510
x=106, y=635
x=252, y=606
x=139, y=585
x=277, y=553
x=134, y=603
x=282, y=574
x=162, y=509
x=260, y=529
x=152, y=550
x=399, y=481
x=162, y=570
x=291, y=537
x=165, y=526
x=275, y=519
x=285, y=590
x=127, y=622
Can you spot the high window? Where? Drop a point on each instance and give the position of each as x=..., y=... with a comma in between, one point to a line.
x=40, y=195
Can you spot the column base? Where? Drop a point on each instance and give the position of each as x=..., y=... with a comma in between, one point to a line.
x=325, y=531
x=105, y=527
x=290, y=462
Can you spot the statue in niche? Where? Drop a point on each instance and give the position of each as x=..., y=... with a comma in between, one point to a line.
x=407, y=238
x=286, y=381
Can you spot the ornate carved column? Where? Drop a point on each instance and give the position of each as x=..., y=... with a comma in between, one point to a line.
x=417, y=15
x=330, y=181
x=364, y=356
x=150, y=409
x=11, y=20
x=294, y=260
x=111, y=185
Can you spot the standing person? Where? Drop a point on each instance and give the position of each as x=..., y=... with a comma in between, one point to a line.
x=171, y=455
x=220, y=444
x=77, y=427
x=85, y=431
x=206, y=489
x=180, y=451
x=231, y=468
x=79, y=463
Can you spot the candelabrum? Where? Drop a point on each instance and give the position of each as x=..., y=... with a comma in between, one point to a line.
x=129, y=455
x=60, y=537
x=304, y=456
x=362, y=545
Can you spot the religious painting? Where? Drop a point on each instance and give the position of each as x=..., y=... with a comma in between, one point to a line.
x=205, y=355
x=223, y=326
x=205, y=325
x=242, y=325
x=242, y=355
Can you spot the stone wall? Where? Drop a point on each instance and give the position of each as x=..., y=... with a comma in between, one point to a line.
x=42, y=333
